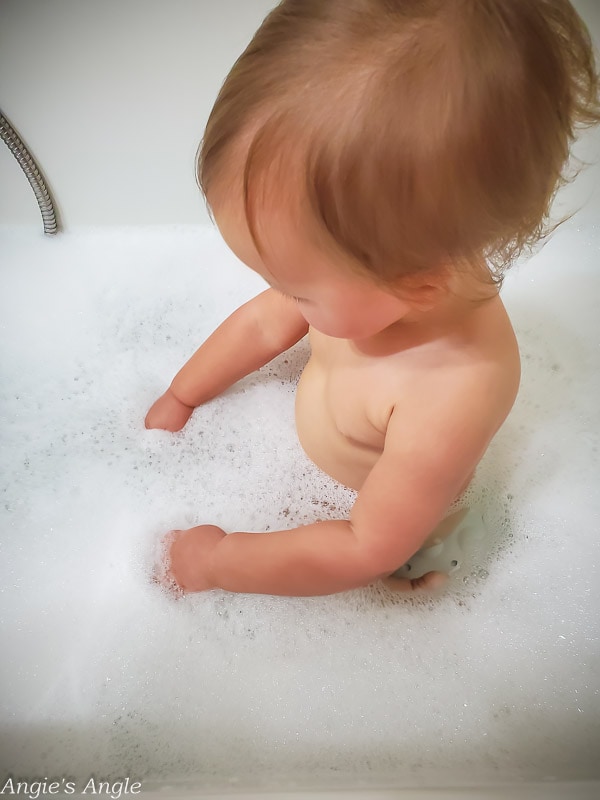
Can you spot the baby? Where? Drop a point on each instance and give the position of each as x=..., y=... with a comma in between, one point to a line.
x=380, y=163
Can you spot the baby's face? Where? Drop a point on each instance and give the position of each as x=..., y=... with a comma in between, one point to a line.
x=332, y=298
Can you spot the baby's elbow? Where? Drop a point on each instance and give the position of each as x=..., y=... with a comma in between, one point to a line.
x=379, y=561
x=276, y=320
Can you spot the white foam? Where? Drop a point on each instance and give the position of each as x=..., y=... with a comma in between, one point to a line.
x=102, y=673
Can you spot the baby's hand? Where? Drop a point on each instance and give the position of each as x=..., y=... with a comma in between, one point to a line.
x=188, y=557
x=168, y=413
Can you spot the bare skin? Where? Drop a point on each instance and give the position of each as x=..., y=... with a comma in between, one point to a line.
x=399, y=401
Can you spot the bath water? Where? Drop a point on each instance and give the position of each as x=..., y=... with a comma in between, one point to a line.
x=102, y=673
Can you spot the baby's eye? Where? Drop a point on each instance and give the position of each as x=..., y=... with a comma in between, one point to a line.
x=293, y=297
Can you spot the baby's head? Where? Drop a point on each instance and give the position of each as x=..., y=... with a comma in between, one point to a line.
x=410, y=138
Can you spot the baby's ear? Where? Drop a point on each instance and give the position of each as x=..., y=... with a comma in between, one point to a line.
x=426, y=291
x=427, y=296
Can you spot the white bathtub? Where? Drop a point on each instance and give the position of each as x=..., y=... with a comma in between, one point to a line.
x=490, y=691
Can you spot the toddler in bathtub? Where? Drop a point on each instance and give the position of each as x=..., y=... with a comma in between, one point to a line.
x=379, y=163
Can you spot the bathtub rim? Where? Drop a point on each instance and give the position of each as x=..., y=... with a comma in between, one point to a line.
x=548, y=790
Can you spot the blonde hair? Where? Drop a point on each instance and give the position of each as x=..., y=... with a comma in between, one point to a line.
x=419, y=132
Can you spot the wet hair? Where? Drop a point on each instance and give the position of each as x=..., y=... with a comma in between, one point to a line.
x=417, y=133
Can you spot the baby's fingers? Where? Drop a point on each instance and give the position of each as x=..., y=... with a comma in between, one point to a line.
x=161, y=574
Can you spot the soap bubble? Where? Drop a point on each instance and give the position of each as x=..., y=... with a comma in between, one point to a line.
x=103, y=673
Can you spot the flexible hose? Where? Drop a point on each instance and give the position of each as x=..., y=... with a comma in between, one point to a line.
x=30, y=168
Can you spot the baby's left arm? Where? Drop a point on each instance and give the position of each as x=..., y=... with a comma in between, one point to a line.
x=422, y=469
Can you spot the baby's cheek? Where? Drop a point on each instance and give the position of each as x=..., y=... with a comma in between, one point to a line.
x=330, y=323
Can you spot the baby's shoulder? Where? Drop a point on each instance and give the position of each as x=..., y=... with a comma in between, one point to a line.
x=464, y=382
x=449, y=418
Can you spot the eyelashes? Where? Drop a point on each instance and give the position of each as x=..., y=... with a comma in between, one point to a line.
x=291, y=297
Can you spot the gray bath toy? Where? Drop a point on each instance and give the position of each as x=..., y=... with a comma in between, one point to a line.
x=445, y=551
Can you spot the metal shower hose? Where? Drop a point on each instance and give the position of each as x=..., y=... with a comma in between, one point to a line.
x=30, y=168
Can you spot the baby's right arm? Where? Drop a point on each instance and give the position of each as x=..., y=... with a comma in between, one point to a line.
x=248, y=339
